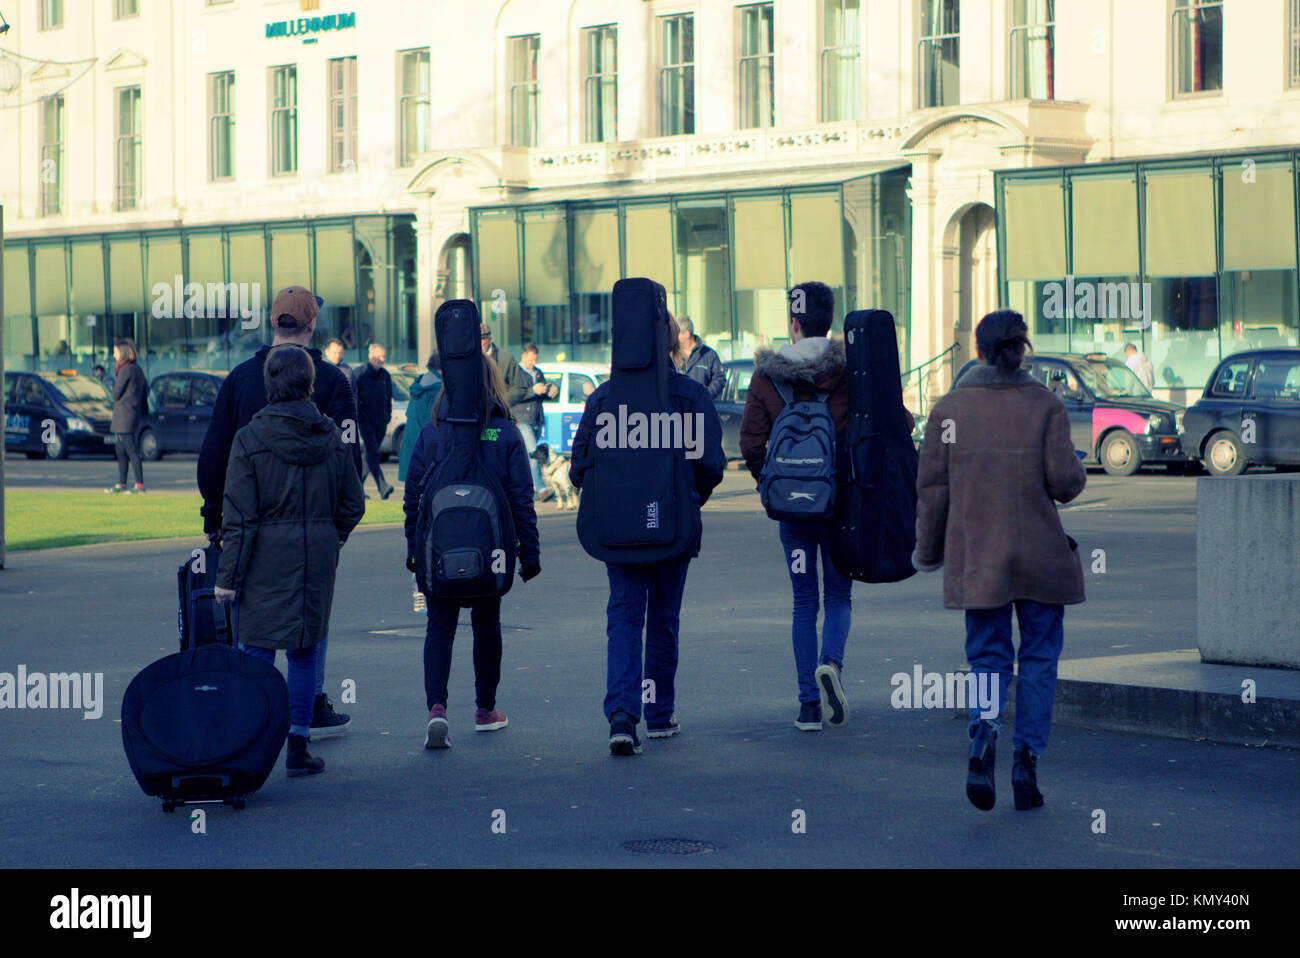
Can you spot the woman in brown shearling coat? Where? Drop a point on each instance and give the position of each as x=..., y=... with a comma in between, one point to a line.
x=997, y=458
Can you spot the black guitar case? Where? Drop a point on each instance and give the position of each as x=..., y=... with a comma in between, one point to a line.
x=875, y=509
x=465, y=545
x=637, y=504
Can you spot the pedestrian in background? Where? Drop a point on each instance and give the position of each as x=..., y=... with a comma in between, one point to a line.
x=1137, y=361
x=334, y=353
x=241, y=396
x=501, y=450
x=700, y=362
x=997, y=458
x=533, y=390
x=292, y=496
x=419, y=412
x=100, y=373
x=130, y=395
x=375, y=411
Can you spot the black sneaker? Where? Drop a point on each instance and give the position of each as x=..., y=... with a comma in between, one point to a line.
x=835, y=707
x=298, y=763
x=810, y=717
x=662, y=729
x=622, y=735
x=325, y=721
x=386, y=491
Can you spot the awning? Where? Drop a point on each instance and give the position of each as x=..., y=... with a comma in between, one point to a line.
x=612, y=191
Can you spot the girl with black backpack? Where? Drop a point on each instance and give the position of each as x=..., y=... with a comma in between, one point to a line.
x=501, y=454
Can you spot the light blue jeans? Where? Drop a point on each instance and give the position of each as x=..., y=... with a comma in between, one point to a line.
x=302, y=683
x=807, y=539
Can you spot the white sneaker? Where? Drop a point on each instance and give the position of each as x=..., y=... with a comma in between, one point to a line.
x=835, y=707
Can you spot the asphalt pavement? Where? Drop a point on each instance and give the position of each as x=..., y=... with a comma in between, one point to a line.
x=888, y=790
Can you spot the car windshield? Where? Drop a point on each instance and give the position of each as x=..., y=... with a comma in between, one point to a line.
x=743, y=376
x=402, y=386
x=1111, y=379
x=81, y=389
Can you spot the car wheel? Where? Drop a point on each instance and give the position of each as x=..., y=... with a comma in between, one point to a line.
x=1120, y=455
x=1224, y=455
x=56, y=448
x=149, y=447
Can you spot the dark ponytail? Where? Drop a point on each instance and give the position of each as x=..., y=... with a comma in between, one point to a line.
x=1003, y=337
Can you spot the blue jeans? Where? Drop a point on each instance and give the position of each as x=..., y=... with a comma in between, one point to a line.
x=530, y=444
x=302, y=683
x=649, y=595
x=809, y=537
x=989, y=649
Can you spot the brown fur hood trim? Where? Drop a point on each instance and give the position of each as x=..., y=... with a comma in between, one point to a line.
x=806, y=373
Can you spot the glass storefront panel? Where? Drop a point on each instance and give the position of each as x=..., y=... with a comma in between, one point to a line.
x=877, y=242
x=1180, y=218
x=87, y=303
x=498, y=270
x=1258, y=309
x=336, y=284
x=1258, y=216
x=1048, y=327
x=759, y=236
x=1104, y=225
x=126, y=292
x=544, y=318
x=1033, y=216
x=165, y=344
x=290, y=259
x=247, y=256
x=1103, y=313
x=51, y=290
x=703, y=283
x=1184, y=336
x=649, y=240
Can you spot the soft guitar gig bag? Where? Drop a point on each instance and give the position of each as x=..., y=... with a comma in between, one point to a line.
x=465, y=544
x=875, y=509
x=195, y=581
x=638, y=501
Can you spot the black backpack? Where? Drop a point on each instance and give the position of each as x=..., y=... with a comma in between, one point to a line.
x=196, y=613
x=465, y=545
x=875, y=515
x=798, y=478
x=638, y=505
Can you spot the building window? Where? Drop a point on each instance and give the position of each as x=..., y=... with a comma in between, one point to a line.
x=128, y=148
x=1293, y=46
x=343, y=114
x=1033, y=50
x=284, y=120
x=1198, y=46
x=600, y=84
x=677, y=75
x=51, y=155
x=125, y=8
x=757, y=83
x=413, y=106
x=523, y=89
x=221, y=126
x=840, y=52
x=939, y=54
x=51, y=14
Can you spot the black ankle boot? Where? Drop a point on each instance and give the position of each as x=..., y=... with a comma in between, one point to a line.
x=297, y=762
x=1024, y=780
x=979, y=778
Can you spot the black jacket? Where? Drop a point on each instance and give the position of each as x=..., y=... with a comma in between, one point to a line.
x=528, y=408
x=704, y=366
x=375, y=398
x=241, y=396
x=292, y=497
x=130, y=393
x=503, y=451
x=687, y=397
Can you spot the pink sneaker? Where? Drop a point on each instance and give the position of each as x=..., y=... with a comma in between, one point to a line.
x=438, y=733
x=485, y=721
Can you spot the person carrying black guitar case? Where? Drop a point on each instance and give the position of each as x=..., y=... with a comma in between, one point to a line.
x=875, y=508
x=205, y=724
x=647, y=455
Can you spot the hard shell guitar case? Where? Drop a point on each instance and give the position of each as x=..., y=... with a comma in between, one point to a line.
x=875, y=511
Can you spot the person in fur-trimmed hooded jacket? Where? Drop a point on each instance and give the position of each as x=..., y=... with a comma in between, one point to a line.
x=811, y=362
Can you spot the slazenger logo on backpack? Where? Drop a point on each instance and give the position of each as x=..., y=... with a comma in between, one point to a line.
x=803, y=495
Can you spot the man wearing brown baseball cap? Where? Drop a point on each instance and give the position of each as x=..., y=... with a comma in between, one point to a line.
x=241, y=396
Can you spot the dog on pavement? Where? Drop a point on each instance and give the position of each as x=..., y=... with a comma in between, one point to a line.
x=555, y=472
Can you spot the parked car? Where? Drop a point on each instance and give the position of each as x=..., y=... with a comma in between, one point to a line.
x=562, y=414
x=52, y=414
x=1249, y=414
x=1115, y=422
x=180, y=408
x=731, y=404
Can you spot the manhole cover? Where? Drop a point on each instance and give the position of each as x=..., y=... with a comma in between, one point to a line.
x=670, y=846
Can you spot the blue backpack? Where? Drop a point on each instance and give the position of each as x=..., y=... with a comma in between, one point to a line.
x=798, y=478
